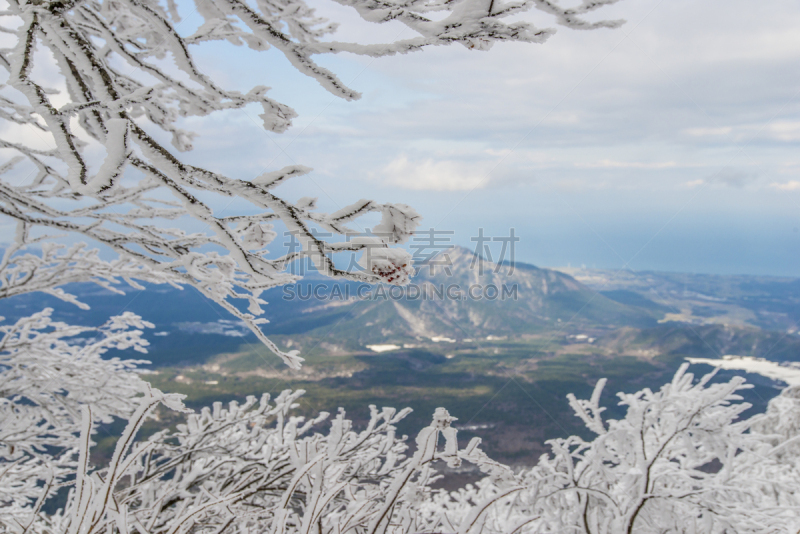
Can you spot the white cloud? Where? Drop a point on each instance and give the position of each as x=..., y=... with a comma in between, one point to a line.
x=499, y=153
x=431, y=175
x=784, y=131
x=732, y=178
x=577, y=185
x=610, y=164
x=704, y=132
x=26, y=135
x=727, y=177
x=792, y=185
x=774, y=131
x=791, y=168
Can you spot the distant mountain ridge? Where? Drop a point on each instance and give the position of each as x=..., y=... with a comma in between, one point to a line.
x=459, y=295
x=660, y=313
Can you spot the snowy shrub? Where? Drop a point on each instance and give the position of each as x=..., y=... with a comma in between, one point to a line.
x=251, y=467
x=682, y=460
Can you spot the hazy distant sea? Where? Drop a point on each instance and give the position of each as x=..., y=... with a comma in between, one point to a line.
x=712, y=230
x=725, y=247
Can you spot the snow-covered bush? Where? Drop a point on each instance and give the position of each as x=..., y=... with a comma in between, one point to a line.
x=47, y=381
x=681, y=460
x=253, y=467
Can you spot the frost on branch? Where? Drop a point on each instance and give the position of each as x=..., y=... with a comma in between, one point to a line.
x=390, y=265
x=54, y=265
x=49, y=372
x=256, y=467
x=681, y=460
x=126, y=77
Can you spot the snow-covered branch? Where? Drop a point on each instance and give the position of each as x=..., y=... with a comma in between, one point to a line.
x=681, y=460
x=49, y=372
x=256, y=466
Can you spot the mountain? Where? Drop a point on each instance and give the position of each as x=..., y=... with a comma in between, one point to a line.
x=458, y=296
x=515, y=308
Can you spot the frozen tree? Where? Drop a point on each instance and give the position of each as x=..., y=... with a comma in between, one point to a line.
x=255, y=467
x=47, y=380
x=126, y=76
x=682, y=460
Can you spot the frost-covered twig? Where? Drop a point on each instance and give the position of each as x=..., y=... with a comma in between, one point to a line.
x=255, y=466
x=49, y=371
x=681, y=460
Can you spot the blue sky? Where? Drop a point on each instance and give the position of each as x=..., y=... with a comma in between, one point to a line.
x=668, y=144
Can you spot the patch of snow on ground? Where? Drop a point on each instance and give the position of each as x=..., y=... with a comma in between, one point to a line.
x=222, y=327
x=383, y=348
x=773, y=370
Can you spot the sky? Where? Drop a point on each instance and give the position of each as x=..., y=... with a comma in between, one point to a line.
x=670, y=143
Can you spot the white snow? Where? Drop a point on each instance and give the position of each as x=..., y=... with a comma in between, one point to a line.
x=750, y=364
x=383, y=348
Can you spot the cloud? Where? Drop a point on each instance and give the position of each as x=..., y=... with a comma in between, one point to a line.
x=577, y=185
x=732, y=178
x=704, y=132
x=784, y=131
x=662, y=103
x=431, y=175
x=610, y=164
x=499, y=153
x=792, y=185
x=726, y=177
x=26, y=135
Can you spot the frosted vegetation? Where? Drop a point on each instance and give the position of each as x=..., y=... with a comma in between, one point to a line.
x=681, y=460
